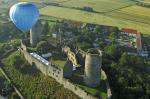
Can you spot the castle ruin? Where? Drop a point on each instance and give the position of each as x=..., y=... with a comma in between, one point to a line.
x=93, y=62
x=35, y=33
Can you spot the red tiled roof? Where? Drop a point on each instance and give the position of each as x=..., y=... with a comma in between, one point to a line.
x=138, y=36
x=129, y=30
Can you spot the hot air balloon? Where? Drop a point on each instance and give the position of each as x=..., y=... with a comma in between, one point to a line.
x=24, y=15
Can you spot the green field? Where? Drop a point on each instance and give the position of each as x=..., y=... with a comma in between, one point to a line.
x=134, y=13
x=47, y=1
x=98, y=5
x=95, y=18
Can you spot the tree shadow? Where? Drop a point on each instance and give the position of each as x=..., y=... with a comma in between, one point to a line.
x=103, y=86
x=27, y=69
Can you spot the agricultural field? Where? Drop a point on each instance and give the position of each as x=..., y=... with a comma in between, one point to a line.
x=98, y=5
x=7, y=4
x=95, y=18
x=133, y=13
x=43, y=1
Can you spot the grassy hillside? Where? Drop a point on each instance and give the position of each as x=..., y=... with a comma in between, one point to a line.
x=78, y=15
x=31, y=82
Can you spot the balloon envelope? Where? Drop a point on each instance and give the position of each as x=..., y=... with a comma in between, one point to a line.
x=24, y=15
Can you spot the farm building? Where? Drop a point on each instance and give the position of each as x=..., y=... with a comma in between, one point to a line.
x=135, y=34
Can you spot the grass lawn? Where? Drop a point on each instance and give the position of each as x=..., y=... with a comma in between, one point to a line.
x=88, y=17
x=61, y=63
x=31, y=49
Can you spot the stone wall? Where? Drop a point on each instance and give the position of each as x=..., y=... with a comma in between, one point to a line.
x=23, y=46
x=71, y=55
x=53, y=71
x=50, y=70
x=77, y=90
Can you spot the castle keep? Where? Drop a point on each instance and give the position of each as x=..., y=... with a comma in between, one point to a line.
x=93, y=63
x=35, y=33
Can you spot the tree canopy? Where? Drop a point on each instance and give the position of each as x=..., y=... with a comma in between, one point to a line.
x=44, y=47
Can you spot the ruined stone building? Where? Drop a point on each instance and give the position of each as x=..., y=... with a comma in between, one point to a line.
x=93, y=62
x=35, y=33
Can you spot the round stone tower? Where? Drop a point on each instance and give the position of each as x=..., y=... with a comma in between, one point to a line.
x=35, y=33
x=93, y=63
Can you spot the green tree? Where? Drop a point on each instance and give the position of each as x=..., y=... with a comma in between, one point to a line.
x=54, y=28
x=84, y=45
x=135, y=62
x=97, y=29
x=7, y=85
x=124, y=60
x=113, y=51
x=44, y=47
x=113, y=37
